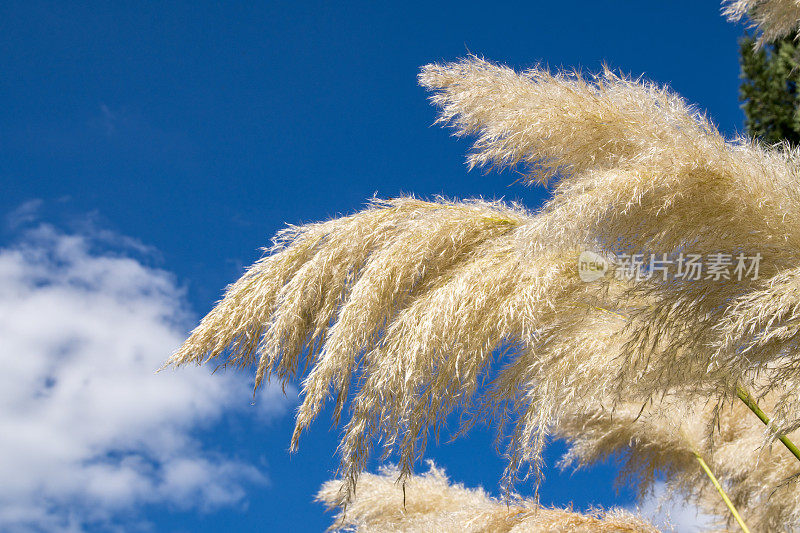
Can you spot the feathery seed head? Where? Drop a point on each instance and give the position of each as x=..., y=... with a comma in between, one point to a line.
x=401, y=310
x=775, y=19
x=429, y=502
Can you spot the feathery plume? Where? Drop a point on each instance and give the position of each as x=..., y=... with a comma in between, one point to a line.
x=641, y=172
x=562, y=123
x=409, y=302
x=666, y=437
x=775, y=19
x=429, y=502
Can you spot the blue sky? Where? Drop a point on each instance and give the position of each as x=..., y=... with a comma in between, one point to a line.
x=152, y=149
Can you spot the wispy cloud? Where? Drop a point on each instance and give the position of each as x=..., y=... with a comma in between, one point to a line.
x=89, y=432
x=24, y=214
x=672, y=514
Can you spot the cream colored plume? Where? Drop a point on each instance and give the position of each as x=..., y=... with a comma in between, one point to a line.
x=412, y=297
x=429, y=502
x=666, y=437
x=401, y=311
x=641, y=172
x=775, y=19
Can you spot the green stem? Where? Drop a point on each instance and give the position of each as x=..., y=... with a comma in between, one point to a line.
x=722, y=493
x=750, y=402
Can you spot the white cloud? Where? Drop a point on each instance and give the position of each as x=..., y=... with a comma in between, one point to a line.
x=674, y=514
x=88, y=432
x=25, y=213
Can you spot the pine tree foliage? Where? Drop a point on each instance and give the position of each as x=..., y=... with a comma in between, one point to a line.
x=770, y=89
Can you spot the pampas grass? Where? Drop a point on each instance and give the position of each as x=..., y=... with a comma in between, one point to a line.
x=429, y=502
x=640, y=171
x=402, y=308
x=775, y=19
x=665, y=437
x=399, y=313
